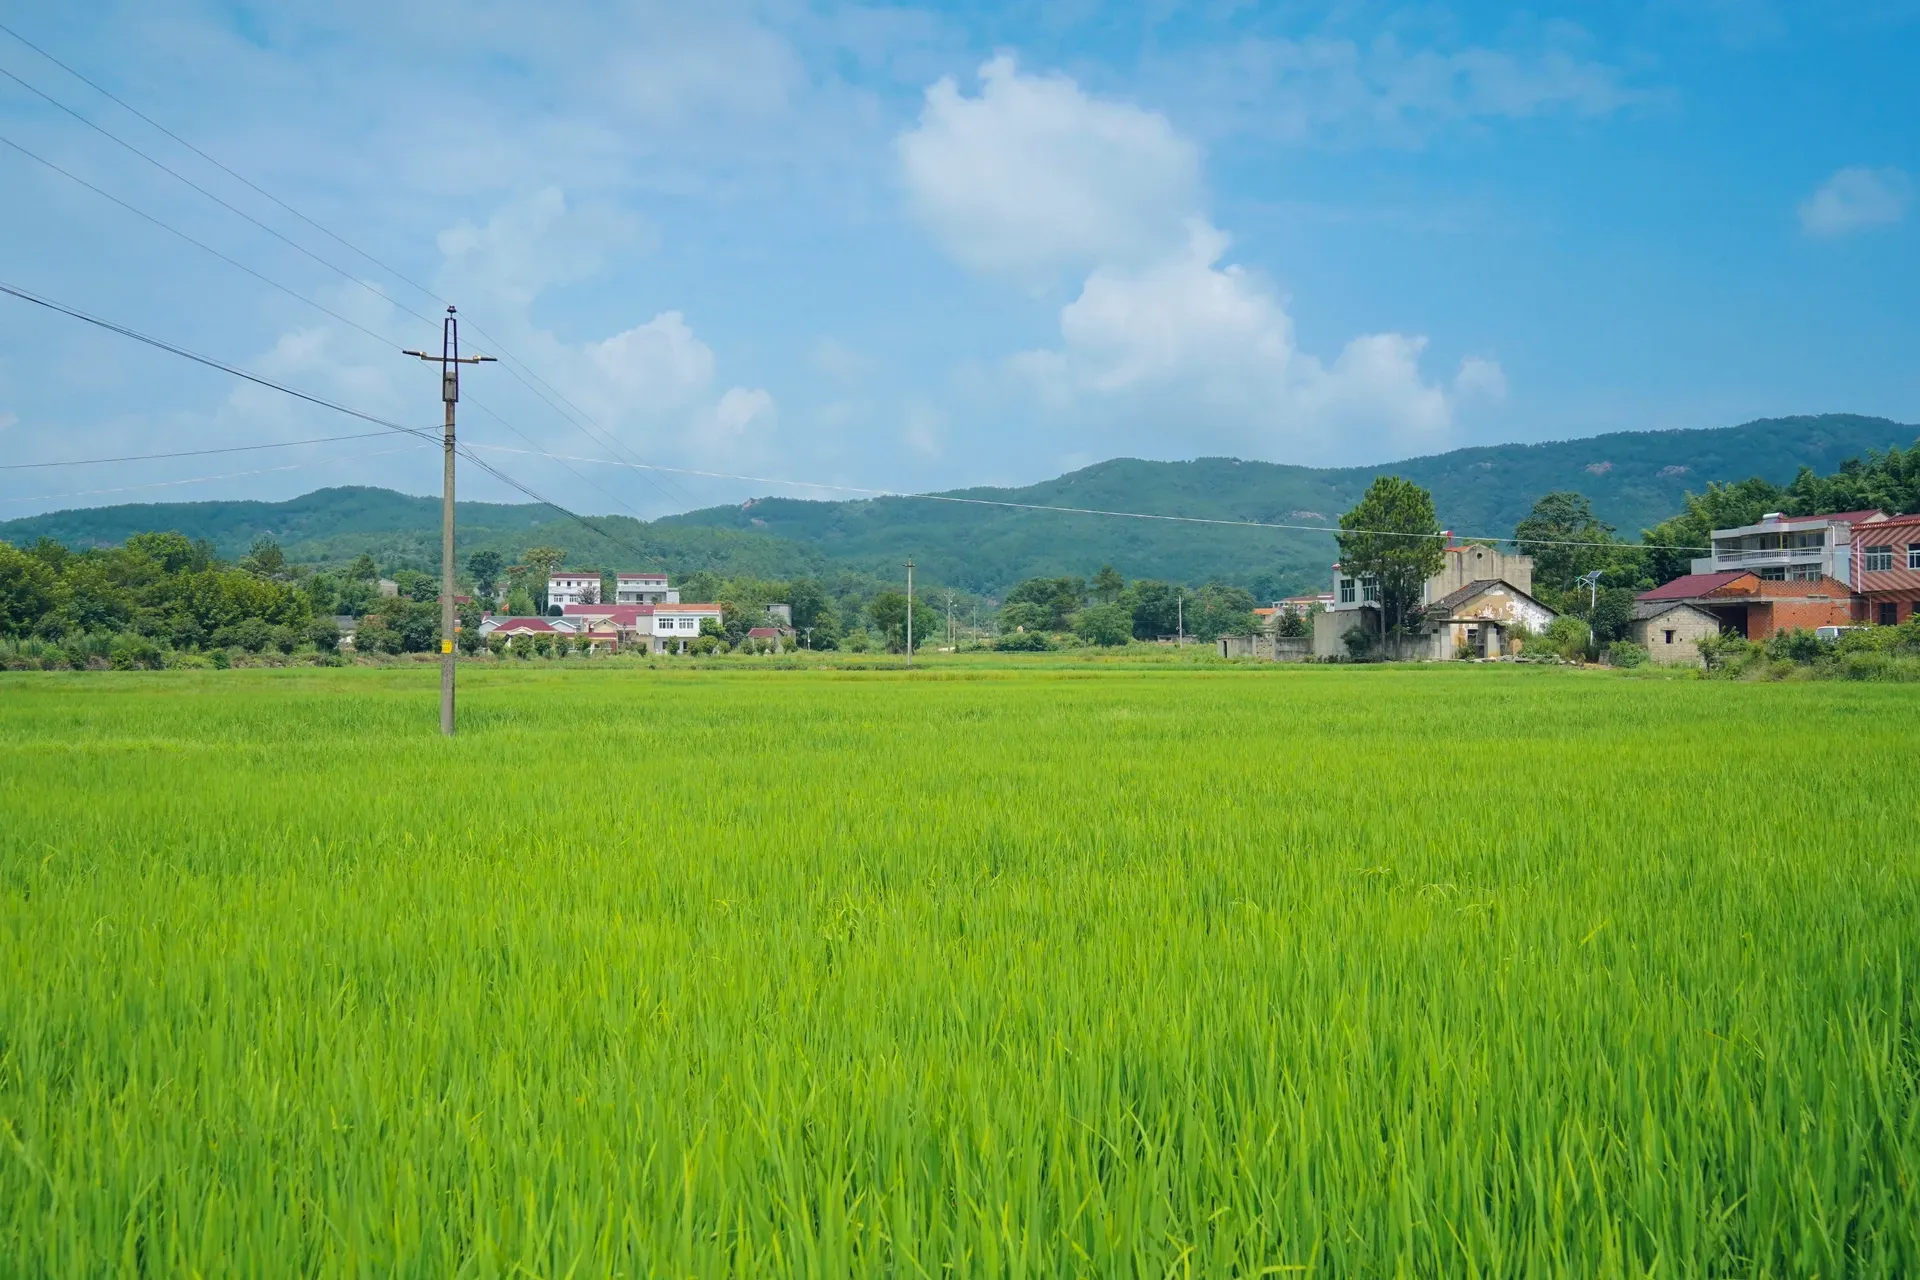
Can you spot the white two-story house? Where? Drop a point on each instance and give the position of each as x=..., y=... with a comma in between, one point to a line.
x=572, y=587
x=644, y=588
x=1783, y=548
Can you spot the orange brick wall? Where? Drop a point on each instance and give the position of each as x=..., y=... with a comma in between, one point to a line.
x=1903, y=600
x=1797, y=615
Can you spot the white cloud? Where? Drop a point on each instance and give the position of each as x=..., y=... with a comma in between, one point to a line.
x=1855, y=199
x=1480, y=379
x=1164, y=337
x=1033, y=175
x=531, y=243
x=8, y=420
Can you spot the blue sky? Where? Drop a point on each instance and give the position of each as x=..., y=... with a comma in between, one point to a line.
x=899, y=247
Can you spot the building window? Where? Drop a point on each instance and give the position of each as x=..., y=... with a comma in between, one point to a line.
x=1369, y=591
x=1889, y=614
x=1879, y=558
x=1772, y=573
x=1913, y=555
x=1346, y=591
x=1669, y=636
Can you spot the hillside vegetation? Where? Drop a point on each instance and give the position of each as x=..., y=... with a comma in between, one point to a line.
x=1633, y=479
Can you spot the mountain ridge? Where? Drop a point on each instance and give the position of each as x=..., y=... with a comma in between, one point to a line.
x=1634, y=479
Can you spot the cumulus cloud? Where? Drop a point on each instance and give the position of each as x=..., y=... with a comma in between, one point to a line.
x=1855, y=199
x=1163, y=330
x=1032, y=175
x=531, y=243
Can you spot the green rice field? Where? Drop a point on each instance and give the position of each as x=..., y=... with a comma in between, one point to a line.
x=1042, y=969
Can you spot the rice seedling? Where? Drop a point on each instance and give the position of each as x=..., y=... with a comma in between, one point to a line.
x=987, y=970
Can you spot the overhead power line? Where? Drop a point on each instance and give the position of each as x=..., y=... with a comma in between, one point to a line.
x=321, y=401
x=1094, y=511
x=186, y=453
x=231, y=475
x=584, y=422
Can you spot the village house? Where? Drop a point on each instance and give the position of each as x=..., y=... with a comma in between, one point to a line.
x=1887, y=573
x=659, y=627
x=643, y=588
x=1783, y=548
x=572, y=587
x=1474, y=606
x=1671, y=631
x=1745, y=604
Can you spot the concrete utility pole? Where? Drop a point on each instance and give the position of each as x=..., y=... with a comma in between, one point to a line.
x=450, y=361
x=1180, y=620
x=909, y=611
x=950, y=643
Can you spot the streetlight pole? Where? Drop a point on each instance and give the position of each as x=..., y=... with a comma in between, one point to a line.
x=450, y=361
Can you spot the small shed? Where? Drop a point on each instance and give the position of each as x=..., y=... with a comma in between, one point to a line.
x=1671, y=631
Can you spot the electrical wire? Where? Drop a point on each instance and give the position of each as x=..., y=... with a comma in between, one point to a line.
x=232, y=208
x=186, y=453
x=291, y=293
x=1094, y=511
x=428, y=436
x=585, y=423
x=231, y=475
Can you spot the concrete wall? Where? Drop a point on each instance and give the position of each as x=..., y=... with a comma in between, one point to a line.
x=1688, y=627
x=1477, y=563
x=1266, y=647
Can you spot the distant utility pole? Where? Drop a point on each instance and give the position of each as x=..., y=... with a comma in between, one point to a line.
x=909, y=611
x=450, y=361
x=1180, y=620
x=950, y=643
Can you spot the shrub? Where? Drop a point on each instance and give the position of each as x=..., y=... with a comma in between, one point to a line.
x=1104, y=624
x=1625, y=653
x=1023, y=642
x=221, y=660
x=1727, y=654
x=1359, y=642
x=324, y=634
x=469, y=641
x=131, y=652
x=1797, y=646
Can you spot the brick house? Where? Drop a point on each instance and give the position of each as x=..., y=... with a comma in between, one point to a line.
x=1887, y=569
x=1671, y=631
x=1755, y=607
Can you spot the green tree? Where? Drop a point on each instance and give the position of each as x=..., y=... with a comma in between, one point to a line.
x=1392, y=537
x=361, y=569
x=1108, y=584
x=171, y=551
x=1024, y=615
x=1104, y=624
x=541, y=562
x=28, y=590
x=485, y=568
x=1155, y=607
x=265, y=558
x=1217, y=609
x=889, y=614
x=1887, y=482
x=423, y=588
x=1558, y=519
x=1672, y=544
x=1060, y=597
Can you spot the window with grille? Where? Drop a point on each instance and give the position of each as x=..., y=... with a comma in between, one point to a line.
x=1879, y=558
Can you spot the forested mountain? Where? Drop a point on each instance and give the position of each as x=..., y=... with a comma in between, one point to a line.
x=1634, y=479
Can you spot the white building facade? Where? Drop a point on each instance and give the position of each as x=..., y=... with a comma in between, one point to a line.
x=564, y=589
x=1783, y=548
x=643, y=588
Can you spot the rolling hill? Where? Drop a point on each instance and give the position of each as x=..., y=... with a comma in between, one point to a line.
x=1633, y=478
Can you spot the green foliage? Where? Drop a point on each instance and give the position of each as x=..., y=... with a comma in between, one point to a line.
x=1056, y=599
x=1217, y=610
x=1156, y=609
x=423, y=588
x=265, y=558
x=1567, y=637
x=1626, y=654
x=889, y=614
x=1389, y=537
x=520, y=604
x=1557, y=519
x=485, y=567
x=28, y=590
x=1104, y=624
x=1294, y=624
x=1023, y=642
x=1683, y=537
x=1108, y=584
x=1886, y=479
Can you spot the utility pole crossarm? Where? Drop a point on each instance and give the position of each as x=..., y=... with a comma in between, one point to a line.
x=450, y=361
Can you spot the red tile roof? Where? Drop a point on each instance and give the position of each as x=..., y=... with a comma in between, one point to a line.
x=1693, y=585
x=627, y=613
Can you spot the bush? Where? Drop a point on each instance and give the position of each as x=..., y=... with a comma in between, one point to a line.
x=1727, y=654
x=324, y=634
x=1023, y=642
x=221, y=659
x=705, y=645
x=469, y=641
x=1566, y=637
x=1798, y=646
x=131, y=652
x=1359, y=642
x=1625, y=653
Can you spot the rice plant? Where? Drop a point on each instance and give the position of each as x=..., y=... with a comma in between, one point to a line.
x=988, y=970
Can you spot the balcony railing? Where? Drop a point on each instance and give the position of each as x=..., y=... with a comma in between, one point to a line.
x=1771, y=555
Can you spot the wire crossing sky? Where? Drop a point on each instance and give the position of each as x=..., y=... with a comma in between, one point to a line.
x=942, y=247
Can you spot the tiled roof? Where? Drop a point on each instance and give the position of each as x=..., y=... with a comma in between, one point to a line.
x=1646, y=610
x=1778, y=589
x=1693, y=585
x=1454, y=599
